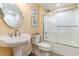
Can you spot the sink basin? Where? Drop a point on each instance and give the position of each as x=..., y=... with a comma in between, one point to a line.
x=17, y=43
x=7, y=41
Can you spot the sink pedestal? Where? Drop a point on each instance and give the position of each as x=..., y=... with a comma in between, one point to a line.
x=17, y=51
x=21, y=50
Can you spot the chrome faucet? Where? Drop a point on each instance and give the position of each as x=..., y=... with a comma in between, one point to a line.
x=17, y=32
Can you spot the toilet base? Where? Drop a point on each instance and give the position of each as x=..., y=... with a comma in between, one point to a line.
x=39, y=52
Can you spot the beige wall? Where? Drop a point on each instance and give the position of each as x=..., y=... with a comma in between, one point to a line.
x=25, y=27
x=41, y=14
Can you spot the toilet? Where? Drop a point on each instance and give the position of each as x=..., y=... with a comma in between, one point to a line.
x=42, y=48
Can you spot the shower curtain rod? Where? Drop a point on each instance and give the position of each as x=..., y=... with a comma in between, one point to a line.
x=67, y=9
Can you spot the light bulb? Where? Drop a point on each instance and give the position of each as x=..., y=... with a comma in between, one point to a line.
x=58, y=4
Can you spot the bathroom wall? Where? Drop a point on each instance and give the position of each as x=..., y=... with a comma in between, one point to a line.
x=25, y=27
x=40, y=27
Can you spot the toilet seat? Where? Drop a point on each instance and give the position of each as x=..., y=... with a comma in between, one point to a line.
x=44, y=46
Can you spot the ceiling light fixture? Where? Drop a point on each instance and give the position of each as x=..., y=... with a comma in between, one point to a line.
x=58, y=4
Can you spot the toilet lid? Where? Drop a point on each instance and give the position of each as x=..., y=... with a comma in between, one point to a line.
x=43, y=44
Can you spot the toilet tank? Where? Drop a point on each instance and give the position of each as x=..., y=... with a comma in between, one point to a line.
x=36, y=38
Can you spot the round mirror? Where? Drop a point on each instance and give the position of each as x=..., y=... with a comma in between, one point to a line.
x=12, y=15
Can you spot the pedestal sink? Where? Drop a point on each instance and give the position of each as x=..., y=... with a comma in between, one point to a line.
x=15, y=42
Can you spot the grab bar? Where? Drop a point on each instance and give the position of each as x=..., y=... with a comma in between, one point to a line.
x=66, y=26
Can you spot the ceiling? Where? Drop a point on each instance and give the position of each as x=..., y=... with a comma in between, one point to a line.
x=52, y=6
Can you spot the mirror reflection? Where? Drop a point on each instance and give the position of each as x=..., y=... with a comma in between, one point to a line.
x=12, y=15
